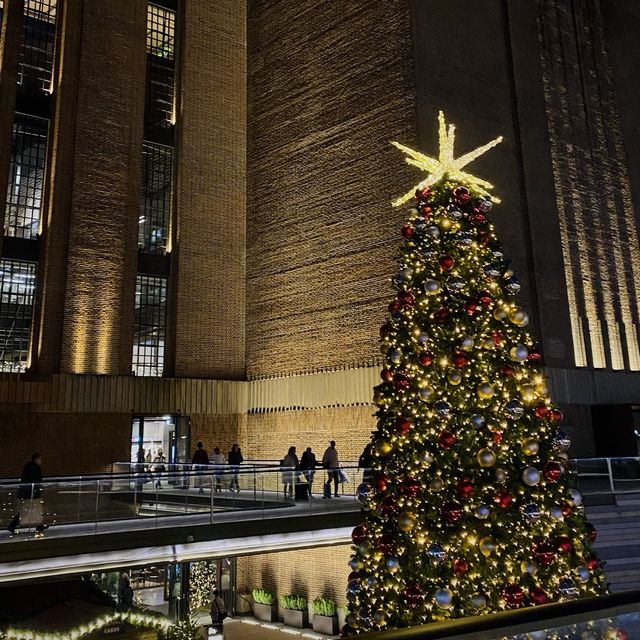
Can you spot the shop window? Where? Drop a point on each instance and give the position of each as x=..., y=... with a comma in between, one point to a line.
x=17, y=286
x=155, y=201
x=150, y=321
x=26, y=176
x=36, y=60
x=161, y=24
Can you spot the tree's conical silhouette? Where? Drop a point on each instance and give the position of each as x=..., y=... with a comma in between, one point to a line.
x=472, y=507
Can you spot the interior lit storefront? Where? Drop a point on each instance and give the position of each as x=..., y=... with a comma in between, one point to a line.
x=153, y=437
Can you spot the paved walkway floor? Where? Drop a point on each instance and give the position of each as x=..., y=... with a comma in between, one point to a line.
x=250, y=629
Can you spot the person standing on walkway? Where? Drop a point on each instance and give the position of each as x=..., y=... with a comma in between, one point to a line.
x=290, y=466
x=218, y=610
x=235, y=460
x=217, y=460
x=29, y=508
x=308, y=464
x=331, y=463
x=200, y=461
x=159, y=467
x=365, y=462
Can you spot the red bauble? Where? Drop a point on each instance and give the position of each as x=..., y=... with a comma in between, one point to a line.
x=446, y=439
x=497, y=338
x=386, y=544
x=538, y=596
x=470, y=306
x=507, y=371
x=464, y=488
x=534, y=356
x=388, y=506
x=484, y=298
x=484, y=238
x=380, y=481
x=425, y=211
x=460, y=567
x=442, y=315
x=496, y=437
x=552, y=471
x=386, y=375
x=413, y=596
x=359, y=534
x=503, y=499
x=544, y=553
x=423, y=194
x=591, y=532
x=410, y=487
x=563, y=544
x=459, y=360
x=446, y=262
x=385, y=330
x=460, y=195
x=406, y=299
x=354, y=575
x=477, y=218
x=566, y=509
x=592, y=563
x=425, y=359
x=407, y=231
x=402, y=425
x=394, y=307
x=541, y=411
x=451, y=512
x=401, y=382
x=555, y=416
x=513, y=595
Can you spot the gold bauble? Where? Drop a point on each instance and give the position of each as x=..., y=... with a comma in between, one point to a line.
x=382, y=447
x=530, y=447
x=406, y=521
x=488, y=343
x=517, y=316
x=426, y=392
x=499, y=313
x=487, y=546
x=454, y=377
x=486, y=458
x=485, y=391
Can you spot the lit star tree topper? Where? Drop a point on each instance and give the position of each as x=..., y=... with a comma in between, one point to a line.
x=472, y=507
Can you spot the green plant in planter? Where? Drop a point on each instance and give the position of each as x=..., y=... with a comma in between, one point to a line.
x=262, y=596
x=294, y=602
x=324, y=607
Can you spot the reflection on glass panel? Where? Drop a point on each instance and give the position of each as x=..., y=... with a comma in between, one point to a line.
x=155, y=201
x=17, y=286
x=26, y=176
x=150, y=309
x=36, y=59
x=160, y=66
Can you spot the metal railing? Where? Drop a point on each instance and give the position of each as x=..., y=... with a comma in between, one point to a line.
x=176, y=496
x=606, y=476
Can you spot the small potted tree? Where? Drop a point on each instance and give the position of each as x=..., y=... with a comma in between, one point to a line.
x=295, y=611
x=264, y=605
x=325, y=618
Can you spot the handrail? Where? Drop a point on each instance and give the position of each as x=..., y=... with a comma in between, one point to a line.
x=506, y=624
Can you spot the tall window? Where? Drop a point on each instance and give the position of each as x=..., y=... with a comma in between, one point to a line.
x=161, y=26
x=155, y=198
x=148, y=341
x=36, y=60
x=17, y=286
x=26, y=176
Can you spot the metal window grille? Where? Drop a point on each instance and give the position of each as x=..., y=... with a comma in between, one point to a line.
x=39, y=34
x=161, y=25
x=150, y=308
x=17, y=286
x=155, y=198
x=26, y=176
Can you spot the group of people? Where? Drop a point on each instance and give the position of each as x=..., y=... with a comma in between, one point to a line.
x=302, y=471
x=201, y=461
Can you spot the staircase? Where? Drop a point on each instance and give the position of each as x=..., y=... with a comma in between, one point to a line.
x=618, y=541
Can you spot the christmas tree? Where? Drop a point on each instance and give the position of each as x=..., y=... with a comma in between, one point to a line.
x=472, y=507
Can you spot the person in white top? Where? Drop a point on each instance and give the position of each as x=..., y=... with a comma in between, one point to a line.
x=332, y=465
x=218, y=461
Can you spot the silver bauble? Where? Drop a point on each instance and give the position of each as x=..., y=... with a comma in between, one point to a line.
x=486, y=458
x=519, y=353
x=395, y=355
x=453, y=212
x=485, y=204
x=355, y=564
x=380, y=617
x=426, y=393
x=364, y=491
x=514, y=409
x=406, y=273
x=464, y=238
x=425, y=457
x=537, y=635
x=492, y=270
x=531, y=476
x=512, y=285
x=442, y=407
x=576, y=497
x=556, y=513
x=436, y=553
x=531, y=512
x=563, y=440
x=478, y=601
x=354, y=587
x=372, y=581
x=455, y=283
x=501, y=475
x=433, y=232
x=431, y=287
x=436, y=484
x=529, y=567
x=583, y=574
x=423, y=338
x=443, y=598
x=466, y=342
x=477, y=421
x=567, y=588
x=482, y=512
x=393, y=564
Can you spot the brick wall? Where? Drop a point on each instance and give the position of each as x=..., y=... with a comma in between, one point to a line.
x=313, y=573
x=218, y=431
x=321, y=233
x=210, y=239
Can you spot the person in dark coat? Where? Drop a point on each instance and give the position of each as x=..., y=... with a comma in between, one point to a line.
x=30, y=489
x=235, y=459
x=365, y=462
x=308, y=465
x=200, y=460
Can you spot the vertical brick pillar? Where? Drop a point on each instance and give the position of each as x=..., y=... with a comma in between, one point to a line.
x=210, y=236
x=101, y=265
x=10, y=47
